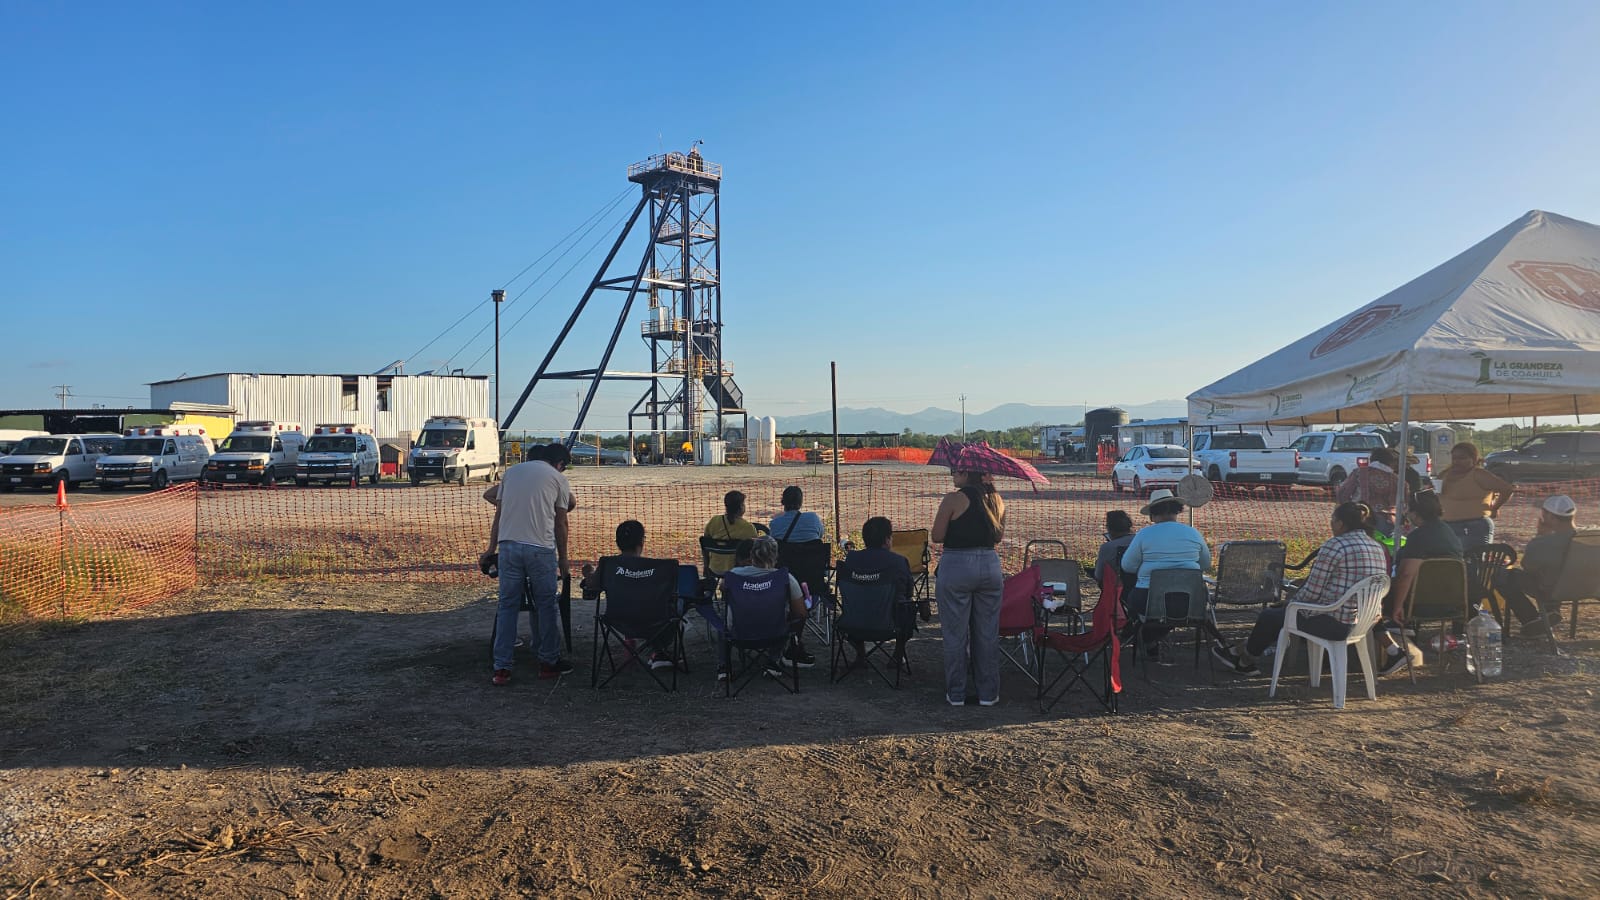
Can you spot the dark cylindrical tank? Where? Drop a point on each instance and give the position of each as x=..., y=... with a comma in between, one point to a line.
x=1104, y=422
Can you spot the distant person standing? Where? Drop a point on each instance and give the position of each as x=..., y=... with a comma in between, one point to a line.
x=1471, y=496
x=529, y=532
x=792, y=525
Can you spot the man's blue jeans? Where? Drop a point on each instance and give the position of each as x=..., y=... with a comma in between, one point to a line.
x=530, y=568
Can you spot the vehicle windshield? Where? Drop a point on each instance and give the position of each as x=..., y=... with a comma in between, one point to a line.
x=141, y=446
x=1237, y=442
x=439, y=439
x=247, y=443
x=41, y=446
x=1168, y=452
x=331, y=444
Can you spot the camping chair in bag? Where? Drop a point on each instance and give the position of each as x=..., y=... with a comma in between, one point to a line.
x=1579, y=579
x=1369, y=593
x=1178, y=598
x=1021, y=599
x=811, y=563
x=757, y=628
x=1249, y=573
x=1439, y=594
x=638, y=609
x=1484, y=565
x=917, y=547
x=1080, y=653
x=866, y=614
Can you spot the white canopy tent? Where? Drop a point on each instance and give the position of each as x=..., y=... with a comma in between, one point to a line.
x=1511, y=327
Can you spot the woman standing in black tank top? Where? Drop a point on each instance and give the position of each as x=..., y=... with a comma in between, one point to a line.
x=970, y=522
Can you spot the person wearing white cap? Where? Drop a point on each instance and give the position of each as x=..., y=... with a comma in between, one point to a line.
x=1527, y=587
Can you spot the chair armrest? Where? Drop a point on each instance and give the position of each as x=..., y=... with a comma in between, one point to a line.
x=1291, y=616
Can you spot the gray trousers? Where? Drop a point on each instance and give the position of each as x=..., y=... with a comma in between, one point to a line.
x=968, y=590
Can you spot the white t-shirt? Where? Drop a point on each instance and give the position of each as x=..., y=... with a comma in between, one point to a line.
x=530, y=492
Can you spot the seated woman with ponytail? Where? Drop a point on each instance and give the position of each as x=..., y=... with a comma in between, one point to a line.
x=1343, y=560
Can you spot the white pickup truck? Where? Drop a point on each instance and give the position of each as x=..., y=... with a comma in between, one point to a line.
x=1238, y=458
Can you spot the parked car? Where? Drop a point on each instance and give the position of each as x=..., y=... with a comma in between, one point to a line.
x=583, y=455
x=155, y=455
x=1147, y=466
x=1553, y=456
x=1235, y=457
x=66, y=459
x=1328, y=457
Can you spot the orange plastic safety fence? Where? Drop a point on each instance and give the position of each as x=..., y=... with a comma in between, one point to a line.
x=94, y=559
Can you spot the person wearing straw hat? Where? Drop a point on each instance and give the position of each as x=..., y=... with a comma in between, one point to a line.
x=1535, y=580
x=1165, y=543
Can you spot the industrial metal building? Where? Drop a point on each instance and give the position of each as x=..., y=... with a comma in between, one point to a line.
x=392, y=404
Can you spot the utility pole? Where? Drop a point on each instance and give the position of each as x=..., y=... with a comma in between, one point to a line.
x=963, y=417
x=498, y=297
x=63, y=391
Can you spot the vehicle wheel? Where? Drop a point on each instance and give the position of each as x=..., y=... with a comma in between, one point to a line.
x=1335, y=477
x=415, y=478
x=269, y=477
x=1116, y=485
x=462, y=474
x=302, y=482
x=64, y=480
x=158, y=482
x=1214, y=474
x=376, y=476
x=1138, y=488
x=355, y=478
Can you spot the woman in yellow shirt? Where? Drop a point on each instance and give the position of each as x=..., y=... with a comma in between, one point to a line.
x=1471, y=496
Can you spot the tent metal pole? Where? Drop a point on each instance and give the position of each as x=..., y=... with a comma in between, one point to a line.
x=1400, y=475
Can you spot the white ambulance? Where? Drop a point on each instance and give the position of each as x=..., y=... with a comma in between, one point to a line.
x=11, y=437
x=257, y=453
x=340, y=453
x=454, y=448
x=155, y=455
x=45, y=461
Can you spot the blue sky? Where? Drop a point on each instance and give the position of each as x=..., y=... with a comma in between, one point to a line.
x=1050, y=204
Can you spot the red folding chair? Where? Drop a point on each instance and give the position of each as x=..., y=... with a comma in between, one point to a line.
x=1021, y=608
x=1082, y=652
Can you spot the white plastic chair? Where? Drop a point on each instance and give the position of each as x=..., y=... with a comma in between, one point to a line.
x=1368, y=593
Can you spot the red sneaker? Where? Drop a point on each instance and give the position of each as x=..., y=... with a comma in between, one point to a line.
x=554, y=670
x=502, y=676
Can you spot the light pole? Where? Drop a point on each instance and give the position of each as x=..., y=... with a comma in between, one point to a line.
x=498, y=297
x=963, y=417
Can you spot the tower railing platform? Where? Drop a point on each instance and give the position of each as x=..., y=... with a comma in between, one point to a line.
x=675, y=162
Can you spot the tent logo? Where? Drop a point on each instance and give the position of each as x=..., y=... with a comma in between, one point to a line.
x=1360, y=385
x=1283, y=404
x=1355, y=328
x=1564, y=283
x=1219, y=409
x=1491, y=371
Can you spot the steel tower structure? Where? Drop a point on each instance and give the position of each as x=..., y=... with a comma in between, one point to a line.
x=679, y=274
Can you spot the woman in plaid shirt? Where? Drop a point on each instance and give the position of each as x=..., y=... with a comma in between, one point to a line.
x=1343, y=560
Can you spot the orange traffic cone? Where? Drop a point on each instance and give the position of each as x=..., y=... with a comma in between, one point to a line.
x=61, y=494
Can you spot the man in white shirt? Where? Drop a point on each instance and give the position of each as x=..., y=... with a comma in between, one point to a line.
x=529, y=533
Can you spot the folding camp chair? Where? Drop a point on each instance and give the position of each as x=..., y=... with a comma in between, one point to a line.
x=757, y=628
x=869, y=614
x=1438, y=594
x=917, y=547
x=716, y=558
x=1061, y=575
x=693, y=593
x=1484, y=565
x=1080, y=653
x=1178, y=598
x=1249, y=573
x=1579, y=579
x=638, y=608
x=563, y=603
x=811, y=563
x=1021, y=607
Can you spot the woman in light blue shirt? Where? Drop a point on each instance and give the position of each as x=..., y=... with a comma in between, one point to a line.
x=1165, y=543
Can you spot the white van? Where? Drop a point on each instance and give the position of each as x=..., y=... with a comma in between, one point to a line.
x=338, y=453
x=155, y=455
x=10, y=437
x=65, y=458
x=453, y=448
x=257, y=452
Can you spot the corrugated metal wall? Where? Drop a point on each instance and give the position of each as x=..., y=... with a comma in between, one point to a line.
x=311, y=399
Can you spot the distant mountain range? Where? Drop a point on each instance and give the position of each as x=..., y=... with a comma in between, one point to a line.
x=934, y=420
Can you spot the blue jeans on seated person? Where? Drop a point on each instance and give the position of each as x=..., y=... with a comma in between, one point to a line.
x=1473, y=532
x=1270, y=623
x=532, y=569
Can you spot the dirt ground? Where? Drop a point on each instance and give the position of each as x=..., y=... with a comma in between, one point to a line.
x=314, y=740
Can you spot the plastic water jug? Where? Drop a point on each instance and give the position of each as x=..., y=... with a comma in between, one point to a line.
x=1484, y=651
